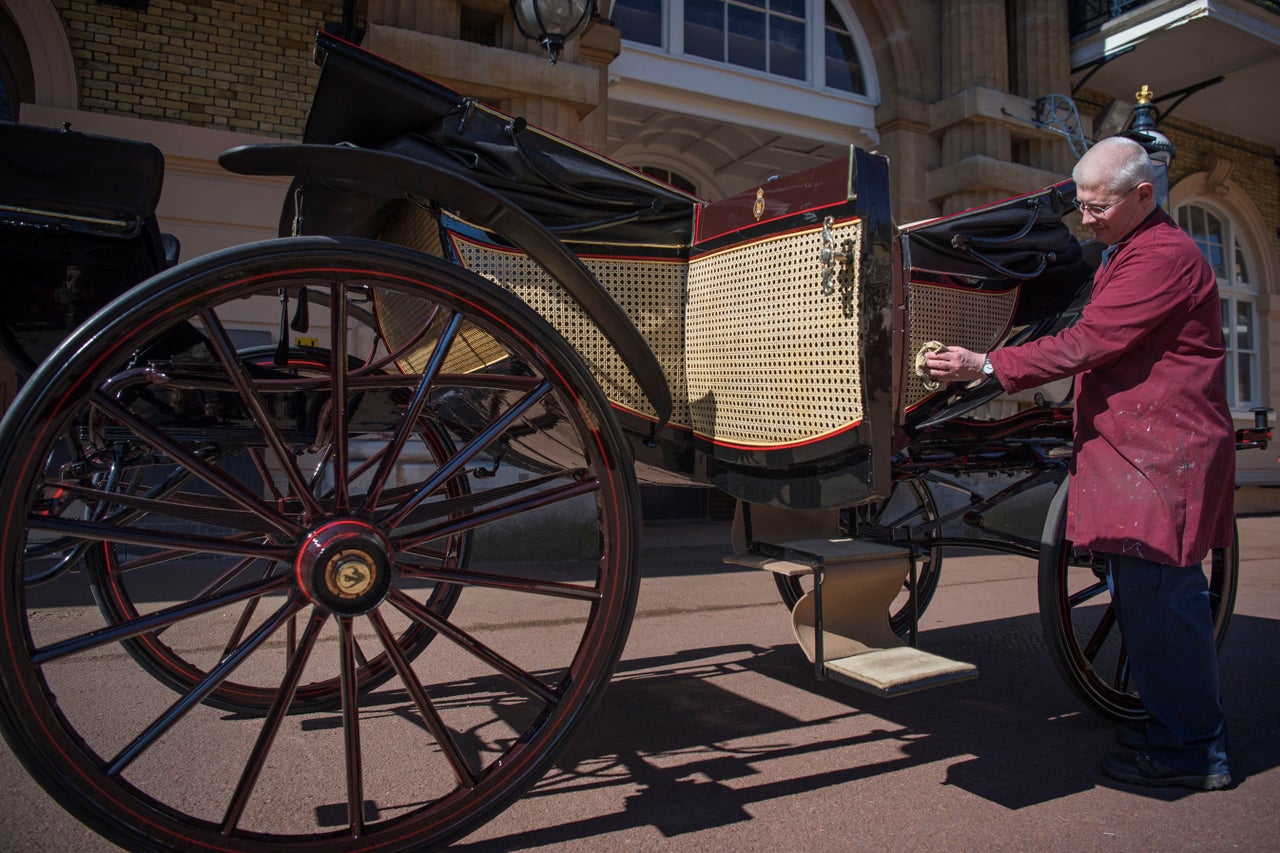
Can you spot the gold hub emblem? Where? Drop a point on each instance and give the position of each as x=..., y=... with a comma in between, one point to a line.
x=350, y=574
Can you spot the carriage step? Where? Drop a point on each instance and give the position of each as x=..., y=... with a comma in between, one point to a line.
x=801, y=556
x=856, y=644
x=895, y=671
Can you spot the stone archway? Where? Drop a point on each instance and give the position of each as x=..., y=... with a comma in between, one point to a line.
x=53, y=67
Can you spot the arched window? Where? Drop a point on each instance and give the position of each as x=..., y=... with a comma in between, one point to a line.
x=1216, y=236
x=799, y=40
x=675, y=179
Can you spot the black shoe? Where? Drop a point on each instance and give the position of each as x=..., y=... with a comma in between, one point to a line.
x=1138, y=768
x=1132, y=735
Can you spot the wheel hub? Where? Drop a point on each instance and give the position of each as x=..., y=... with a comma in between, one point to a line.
x=344, y=566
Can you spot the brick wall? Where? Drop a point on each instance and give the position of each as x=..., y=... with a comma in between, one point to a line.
x=240, y=66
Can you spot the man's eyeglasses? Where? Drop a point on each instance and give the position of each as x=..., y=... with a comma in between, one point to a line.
x=1098, y=210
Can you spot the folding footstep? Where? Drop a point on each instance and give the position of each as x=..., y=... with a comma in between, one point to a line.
x=843, y=622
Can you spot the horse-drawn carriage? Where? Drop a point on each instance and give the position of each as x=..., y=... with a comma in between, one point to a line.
x=308, y=558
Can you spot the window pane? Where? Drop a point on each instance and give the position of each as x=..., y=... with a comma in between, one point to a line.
x=1244, y=379
x=1244, y=325
x=1216, y=257
x=1243, y=277
x=794, y=8
x=704, y=28
x=1198, y=226
x=639, y=20
x=1225, y=305
x=786, y=48
x=842, y=69
x=746, y=38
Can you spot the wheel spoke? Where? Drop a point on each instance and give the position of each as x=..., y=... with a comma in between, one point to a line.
x=1087, y=594
x=338, y=397
x=1101, y=632
x=275, y=716
x=531, y=685
x=234, y=366
x=479, y=443
x=201, y=689
x=1121, y=680
x=491, y=580
x=418, y=694
x=186, y=543
x=391, y=453
x=154, y=621
x=412, y=537
x=234, y=490
x=351, y=729
x=182, y=507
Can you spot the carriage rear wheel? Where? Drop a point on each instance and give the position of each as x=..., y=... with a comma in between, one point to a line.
x=277, y=541
x=1079, y=622
x=114, y=581
x=910, y=503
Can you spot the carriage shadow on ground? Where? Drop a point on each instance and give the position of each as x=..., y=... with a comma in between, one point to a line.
x=695, y=756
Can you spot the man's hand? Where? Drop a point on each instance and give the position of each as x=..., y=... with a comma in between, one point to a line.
x=954, y=364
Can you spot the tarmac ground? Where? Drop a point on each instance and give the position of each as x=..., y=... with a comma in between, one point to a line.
x=715, y=735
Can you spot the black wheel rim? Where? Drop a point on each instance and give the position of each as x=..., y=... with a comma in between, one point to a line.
x=456, y=733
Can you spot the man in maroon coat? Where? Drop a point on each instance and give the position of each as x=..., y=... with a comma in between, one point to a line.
x=1153, y=473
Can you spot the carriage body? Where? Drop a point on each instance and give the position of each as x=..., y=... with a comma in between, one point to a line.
x=782, y=323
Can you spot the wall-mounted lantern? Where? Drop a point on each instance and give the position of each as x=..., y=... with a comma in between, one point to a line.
x=1159, y=148
x=552, y=22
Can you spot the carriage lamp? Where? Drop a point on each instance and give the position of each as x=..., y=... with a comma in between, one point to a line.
x=1159, y=148
x=552, y=22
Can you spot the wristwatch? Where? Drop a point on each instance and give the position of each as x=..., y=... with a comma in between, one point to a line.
x=987, y=369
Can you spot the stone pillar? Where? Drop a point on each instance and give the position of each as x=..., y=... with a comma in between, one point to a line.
x=974, y=45
x=974, y=56
x=903, y=124
x=598, y=47
x=1041, y=54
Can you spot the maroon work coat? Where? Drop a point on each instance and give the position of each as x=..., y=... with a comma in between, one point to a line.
x=1153, y=474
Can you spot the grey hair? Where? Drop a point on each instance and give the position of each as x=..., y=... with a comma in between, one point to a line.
x=1115, y=163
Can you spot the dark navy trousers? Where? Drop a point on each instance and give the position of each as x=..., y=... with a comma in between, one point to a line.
x=1164, y=615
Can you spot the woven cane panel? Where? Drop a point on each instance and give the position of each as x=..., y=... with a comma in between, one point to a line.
x=401, y=317
x=772, y=360
x=973, y=319
x=415, y=227
x=651, y=292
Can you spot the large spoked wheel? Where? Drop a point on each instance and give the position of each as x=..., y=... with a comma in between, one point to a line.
x=115, y=580
x=274, y=531
x=1079, y=621
x=910, y=503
